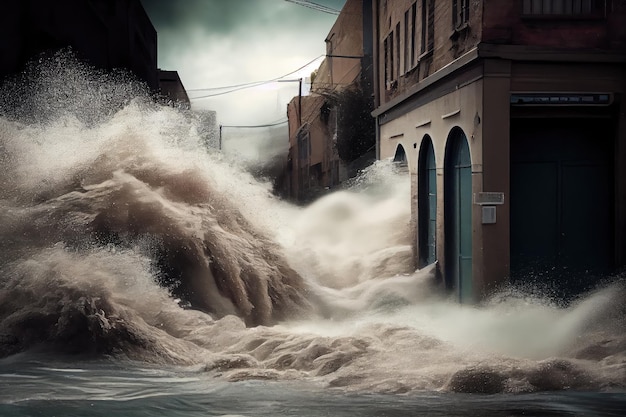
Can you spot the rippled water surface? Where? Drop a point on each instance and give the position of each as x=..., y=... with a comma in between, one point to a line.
x=52, y=388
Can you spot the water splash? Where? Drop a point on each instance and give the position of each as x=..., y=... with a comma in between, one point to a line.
x=115, y=220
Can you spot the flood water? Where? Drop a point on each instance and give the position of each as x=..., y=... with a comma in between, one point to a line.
x=144, y=274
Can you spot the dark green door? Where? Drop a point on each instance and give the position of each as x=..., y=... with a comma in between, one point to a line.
x=561, y=203
x=427, y=203
x=458, y=198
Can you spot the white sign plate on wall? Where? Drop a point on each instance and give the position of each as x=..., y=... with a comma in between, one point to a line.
x=488, y=198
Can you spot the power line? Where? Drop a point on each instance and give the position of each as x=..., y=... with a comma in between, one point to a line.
x=255, y=126
x=315, y=6
x=335, y=88
x=224, y=87
x=238, y=87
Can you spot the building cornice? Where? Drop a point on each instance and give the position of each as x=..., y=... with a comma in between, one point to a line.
x=444, y=72
x=530, y=53
x=507, y=52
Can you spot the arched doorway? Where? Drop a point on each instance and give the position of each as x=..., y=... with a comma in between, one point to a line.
x=458, y=215
x=426, y=204
x=400, y=156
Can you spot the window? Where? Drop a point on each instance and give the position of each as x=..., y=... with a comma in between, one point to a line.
x=413, y=34
x=303, y=145
x=390, y=60
x=428, y=26
x=564, y=7
x=407, y=43
x=386, y=62
x=400, y=158
x=397, y=51
x=431, y=25
x=460, y=12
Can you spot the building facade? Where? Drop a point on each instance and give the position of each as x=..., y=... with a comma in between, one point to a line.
x=172, y=89
x=511, y=119
x=108, y=34
x=315, y=162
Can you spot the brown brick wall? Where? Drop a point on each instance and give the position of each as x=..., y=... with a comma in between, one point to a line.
x=504, y=23
x=490, y=21
x=448, y=43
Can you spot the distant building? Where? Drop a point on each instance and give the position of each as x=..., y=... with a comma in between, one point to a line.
x=107, y=34
x=315, y=164
x=172, y=90
x=511, y=119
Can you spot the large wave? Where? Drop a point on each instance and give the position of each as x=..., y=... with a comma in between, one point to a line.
x=122, y=235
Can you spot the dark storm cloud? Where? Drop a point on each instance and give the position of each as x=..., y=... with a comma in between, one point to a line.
x=216, y=33
x=214, y=43
x=219, y=16
x=226, y=16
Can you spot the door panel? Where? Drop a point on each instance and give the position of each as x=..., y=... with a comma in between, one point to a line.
x=427, y=204
x=586, y=219
x=465, y=228
x=432, y=208
x=534, y=205
x=458, y=211
x=561, y=203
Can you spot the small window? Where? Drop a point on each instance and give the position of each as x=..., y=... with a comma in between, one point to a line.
x=303, y=145
x=398, y=51
x=400, y=159
x=460, y=13
x=407, y=43
x=413, y=34
x=390, y=62
x=428, y=26
x=564, y=8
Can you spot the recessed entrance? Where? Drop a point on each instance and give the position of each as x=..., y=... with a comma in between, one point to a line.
x=561, y=203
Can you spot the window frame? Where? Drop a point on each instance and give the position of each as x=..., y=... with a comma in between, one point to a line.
x=460, y=13
x=597, y=9
x=427, y=42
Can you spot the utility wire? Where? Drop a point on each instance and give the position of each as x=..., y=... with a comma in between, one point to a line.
x=226, y=86
x=238, y=87
x=255, y=126
x=335, y=88
x=315, y=6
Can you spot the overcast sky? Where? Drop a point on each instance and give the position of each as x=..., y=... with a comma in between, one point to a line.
x=215, y=43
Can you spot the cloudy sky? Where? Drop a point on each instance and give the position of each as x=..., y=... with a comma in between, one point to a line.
x=216, y=43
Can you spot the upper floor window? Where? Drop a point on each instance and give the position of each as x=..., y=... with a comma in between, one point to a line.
x=303, y=145
x=460, y=12
x=428, y=26
x=413, y=34
x=564, y=7
x=407, y=43
x=390, y=60
x=397, y=51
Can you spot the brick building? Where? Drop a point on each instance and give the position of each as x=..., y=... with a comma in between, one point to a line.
x=511, y=119
x=314, y=164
